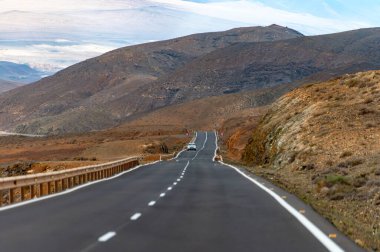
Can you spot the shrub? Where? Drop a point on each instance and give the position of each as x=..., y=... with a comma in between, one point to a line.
x=351, y=163
x=365, y=111
x=377, y=172
x=345, y=154
x=368, y=100
x=337, y=179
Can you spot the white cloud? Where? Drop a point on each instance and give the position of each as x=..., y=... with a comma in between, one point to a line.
x=255, y=12
x=58, y=33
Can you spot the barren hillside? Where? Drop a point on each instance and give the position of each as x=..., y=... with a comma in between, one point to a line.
x=322, y=142
x=211, y=112
x=101, y=92
x=8, y=85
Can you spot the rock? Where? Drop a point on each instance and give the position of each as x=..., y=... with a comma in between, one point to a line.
x=359, y=242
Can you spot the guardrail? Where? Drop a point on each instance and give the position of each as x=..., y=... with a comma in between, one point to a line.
x=21, y=188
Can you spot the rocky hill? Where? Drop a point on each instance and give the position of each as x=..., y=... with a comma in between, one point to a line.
x=247, y=66
x=321, y=141
x=103, y=91
x=122, y=84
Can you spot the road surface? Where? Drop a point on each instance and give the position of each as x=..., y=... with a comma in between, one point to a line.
x=187, y=204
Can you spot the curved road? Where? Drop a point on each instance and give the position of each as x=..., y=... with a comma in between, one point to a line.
x=188, y=204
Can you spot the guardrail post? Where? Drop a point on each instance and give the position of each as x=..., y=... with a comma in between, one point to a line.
x=41, y=189
x=2, y=198
x=71, y=182
x=23, y=193
x=68, y=183
x=32, y=191
x=11, y=195
x=50, y=187
x=56, y=186
x=64, y=185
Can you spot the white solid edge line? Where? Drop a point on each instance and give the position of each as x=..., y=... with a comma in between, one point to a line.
x=216, y=145
x=152, y=203
x=314, y=230
x=135, y=216
x=106, y=236
x=72, y=189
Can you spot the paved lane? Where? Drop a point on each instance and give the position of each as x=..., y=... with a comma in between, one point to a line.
x=187, y=204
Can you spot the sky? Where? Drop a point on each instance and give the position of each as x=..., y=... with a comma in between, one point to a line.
x=51, y=35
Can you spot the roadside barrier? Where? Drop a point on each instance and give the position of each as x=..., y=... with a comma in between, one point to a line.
x=21, y=188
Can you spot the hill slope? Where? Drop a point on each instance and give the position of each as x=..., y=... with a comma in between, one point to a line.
x=322, y=141
x=247, y=66
x=8, y=85
x=93, y=92
x=210, y=112
x=107, y=90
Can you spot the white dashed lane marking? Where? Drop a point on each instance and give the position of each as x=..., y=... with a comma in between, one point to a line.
x=106, y=236
x=170, y=188
x=162, y=195
x=152, y=203
x=135, y=216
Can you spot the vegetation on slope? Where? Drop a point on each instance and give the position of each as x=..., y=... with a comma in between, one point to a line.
x=321, y=141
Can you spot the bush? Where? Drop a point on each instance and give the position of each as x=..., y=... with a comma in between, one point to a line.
x=365, y=111
x=351, y=163
x=346, y=154
x=337, y=179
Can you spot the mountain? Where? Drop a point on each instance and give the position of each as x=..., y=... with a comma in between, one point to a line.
x=18, y=72
x=91, y=95
x=126, y=83
x=8, y=85
x=247, y=66
x=321, y=141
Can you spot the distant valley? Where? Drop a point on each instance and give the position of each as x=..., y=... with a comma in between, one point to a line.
x=19, y=73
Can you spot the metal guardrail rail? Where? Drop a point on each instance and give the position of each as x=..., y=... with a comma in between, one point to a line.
x=21, y=188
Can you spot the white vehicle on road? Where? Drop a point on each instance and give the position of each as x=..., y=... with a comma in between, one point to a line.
x=191, y=146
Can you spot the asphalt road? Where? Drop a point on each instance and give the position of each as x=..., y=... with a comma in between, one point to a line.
x=187, y=204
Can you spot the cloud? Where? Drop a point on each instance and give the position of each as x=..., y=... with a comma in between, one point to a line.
x=51, y=58
x=257, y=13
x=57, y=33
